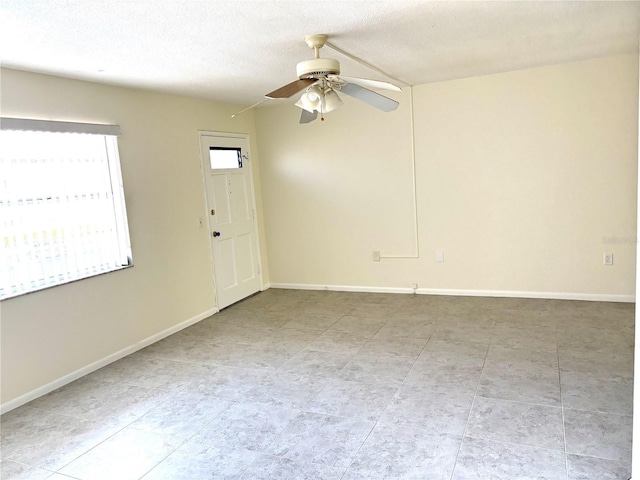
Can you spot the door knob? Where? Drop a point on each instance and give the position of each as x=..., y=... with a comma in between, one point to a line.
x=216, y=234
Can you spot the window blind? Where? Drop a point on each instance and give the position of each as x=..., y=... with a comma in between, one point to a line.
x=28, y=124
x=61, y=204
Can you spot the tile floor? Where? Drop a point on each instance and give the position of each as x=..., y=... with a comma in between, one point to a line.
x=332, y=385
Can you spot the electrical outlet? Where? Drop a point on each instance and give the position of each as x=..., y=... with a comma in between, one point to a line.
x=376, y=255
x=607, y=259
x=439, y=256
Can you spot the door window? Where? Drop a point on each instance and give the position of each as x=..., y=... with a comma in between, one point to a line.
x=224, y=157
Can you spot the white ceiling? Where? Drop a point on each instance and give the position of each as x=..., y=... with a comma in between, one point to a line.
x=236, y=51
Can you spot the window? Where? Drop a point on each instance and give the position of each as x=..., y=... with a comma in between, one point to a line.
x=223, y=157
x=62, y=210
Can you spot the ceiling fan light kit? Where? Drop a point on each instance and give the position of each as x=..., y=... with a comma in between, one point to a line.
x=331, y=101
x=319, y=99
x=312, y=99
x=320, y=79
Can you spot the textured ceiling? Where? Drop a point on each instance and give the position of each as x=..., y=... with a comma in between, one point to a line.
x=236, y=51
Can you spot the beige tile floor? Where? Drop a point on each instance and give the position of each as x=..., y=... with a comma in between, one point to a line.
x=330, y=385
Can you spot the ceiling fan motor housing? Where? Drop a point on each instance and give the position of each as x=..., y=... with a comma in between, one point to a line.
x=318, y=67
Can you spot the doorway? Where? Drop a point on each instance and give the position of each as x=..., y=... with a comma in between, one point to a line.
x=233, y=230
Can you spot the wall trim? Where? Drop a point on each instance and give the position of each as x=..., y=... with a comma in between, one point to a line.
x=591, y=297
x=92, y=367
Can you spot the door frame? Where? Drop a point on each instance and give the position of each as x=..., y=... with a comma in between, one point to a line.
x=203, y=173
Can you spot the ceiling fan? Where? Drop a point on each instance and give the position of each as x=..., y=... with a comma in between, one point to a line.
x=321, y=80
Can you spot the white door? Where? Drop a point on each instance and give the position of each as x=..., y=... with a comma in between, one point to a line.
x=231, y=211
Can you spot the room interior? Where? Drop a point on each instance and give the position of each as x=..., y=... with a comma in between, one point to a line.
x=519, y=176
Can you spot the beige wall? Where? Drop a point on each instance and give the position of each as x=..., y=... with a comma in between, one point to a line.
x=520, y=176
x=52, y=333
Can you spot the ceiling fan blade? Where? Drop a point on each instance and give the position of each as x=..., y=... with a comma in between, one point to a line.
x=365, y=82
x=291, y=88
x=306, y=117
x=367, y=96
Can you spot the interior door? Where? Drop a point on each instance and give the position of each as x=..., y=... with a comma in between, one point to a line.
x=231, y=211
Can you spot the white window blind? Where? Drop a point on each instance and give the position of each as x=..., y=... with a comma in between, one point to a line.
x=62, y=210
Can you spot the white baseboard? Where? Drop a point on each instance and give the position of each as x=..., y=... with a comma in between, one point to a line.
x=592, y=297
x=92, y=367
x=589, y=297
